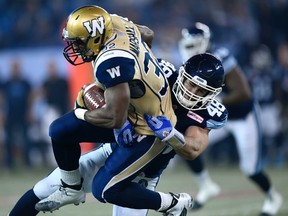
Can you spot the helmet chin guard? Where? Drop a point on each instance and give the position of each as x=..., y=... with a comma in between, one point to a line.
x=76, y=55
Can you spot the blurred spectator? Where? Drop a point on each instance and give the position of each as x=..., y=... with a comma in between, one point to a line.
x=282, y=68
x=56, y=90
x=39, y=148
x=282, y=93
x=51, y=101
x=56, y=98
x=265, y=83
x=17, y=100
x=2, y=121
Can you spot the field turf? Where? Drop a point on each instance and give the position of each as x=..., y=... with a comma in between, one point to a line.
x=239, y=197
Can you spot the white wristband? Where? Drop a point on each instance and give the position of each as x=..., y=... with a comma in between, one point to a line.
x=79, y=113
x=175, y=139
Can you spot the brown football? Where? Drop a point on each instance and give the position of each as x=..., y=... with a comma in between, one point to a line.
x=93, y=97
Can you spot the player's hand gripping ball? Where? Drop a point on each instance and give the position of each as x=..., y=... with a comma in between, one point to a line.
x=93, y=97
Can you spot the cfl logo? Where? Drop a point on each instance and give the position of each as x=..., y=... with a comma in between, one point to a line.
x=95, y=25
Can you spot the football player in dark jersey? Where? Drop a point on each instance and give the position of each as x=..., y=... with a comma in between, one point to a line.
x=243, y=121
x=194, y=88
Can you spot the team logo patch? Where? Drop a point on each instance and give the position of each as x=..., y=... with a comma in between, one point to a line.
x=165, y=133
x=195, y=116
x=114, y=72
x=94, y=26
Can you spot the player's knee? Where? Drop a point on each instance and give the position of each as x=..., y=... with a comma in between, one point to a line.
x=54, y=130
x=110, y=195
x=247, y=170
x=58, y=130
x=97, y=193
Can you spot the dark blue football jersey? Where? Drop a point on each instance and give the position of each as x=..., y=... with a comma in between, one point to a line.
x=265, y=84
x=238, y=111
x=215, y=116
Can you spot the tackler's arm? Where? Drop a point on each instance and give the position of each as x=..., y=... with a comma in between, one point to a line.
x=189, y=146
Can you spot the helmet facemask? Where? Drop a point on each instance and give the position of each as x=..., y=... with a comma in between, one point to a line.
x=188, y=99
x=76, y=52
x=194, y=41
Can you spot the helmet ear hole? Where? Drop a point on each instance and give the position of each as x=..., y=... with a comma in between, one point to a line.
x=96, y=40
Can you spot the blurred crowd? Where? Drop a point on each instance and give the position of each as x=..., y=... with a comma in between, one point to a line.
x=255, y=31
x=26, y=113
x=238, y=24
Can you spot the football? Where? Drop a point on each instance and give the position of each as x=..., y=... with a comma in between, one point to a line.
x=93, y=97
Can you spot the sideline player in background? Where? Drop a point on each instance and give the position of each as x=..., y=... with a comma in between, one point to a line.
x=243, y=122
x=194, y=89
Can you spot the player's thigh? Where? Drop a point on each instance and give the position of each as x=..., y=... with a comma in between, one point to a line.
x=125, y=163
x=248, y=141
x=270, y=120
x=218, y=135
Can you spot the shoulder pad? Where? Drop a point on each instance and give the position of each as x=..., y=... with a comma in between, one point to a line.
x=228, y=60
x=221, y=53
x=167, y=67
x=212, y=124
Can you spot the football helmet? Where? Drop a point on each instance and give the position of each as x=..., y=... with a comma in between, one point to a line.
x=86, y=31
x=195, y=40
x=203, y=71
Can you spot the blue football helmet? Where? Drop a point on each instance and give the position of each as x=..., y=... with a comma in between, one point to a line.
x=204, y=71
x=195, y=40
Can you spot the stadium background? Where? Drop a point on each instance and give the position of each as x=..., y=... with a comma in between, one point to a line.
x=30, y=32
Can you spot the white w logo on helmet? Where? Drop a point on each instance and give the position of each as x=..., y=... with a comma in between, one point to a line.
x=95, y=25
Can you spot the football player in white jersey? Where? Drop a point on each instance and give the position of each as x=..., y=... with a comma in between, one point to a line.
x=134, y=85
x=195, y=87
x=243, y=122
